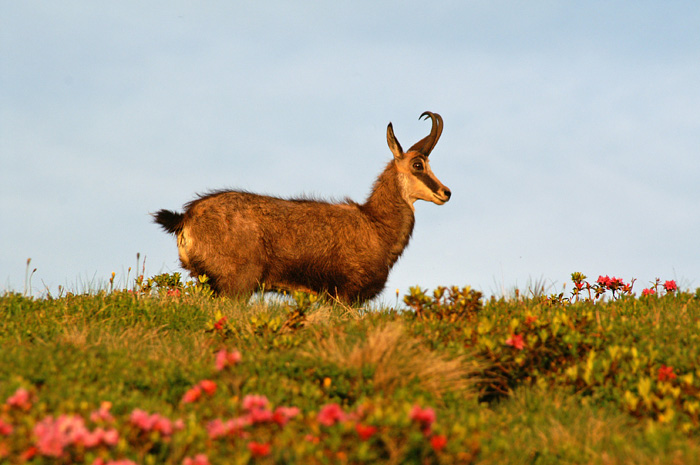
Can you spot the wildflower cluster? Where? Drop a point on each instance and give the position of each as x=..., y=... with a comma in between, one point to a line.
x=66, y=436
x=617, y=287
x=669, y=287
x=602, y=285
x=102, y=438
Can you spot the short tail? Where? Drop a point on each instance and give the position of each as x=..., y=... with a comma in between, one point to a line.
x=169, y=220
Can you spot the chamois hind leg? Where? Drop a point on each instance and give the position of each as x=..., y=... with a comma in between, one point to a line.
x=237, y=279
x=227, y=280
x=239, y=285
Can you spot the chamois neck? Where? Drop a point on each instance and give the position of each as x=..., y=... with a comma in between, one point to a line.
x=389, y=212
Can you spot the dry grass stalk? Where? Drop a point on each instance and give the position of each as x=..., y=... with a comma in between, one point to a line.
x=397, y=360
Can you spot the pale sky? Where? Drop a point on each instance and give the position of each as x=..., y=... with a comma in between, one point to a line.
x=571, y=140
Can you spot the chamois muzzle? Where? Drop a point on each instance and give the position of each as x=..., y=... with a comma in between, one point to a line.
x=442, y=196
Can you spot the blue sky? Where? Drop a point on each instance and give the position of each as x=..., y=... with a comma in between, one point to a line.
x=571, y=141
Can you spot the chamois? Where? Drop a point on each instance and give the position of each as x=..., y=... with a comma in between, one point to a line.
x=244, y=242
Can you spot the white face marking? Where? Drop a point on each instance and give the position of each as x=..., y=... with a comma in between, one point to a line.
x=405, y=184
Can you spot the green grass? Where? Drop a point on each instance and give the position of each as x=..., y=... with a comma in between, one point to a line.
x=595, y=381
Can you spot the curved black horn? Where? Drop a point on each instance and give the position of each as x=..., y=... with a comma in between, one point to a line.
x=426, y=145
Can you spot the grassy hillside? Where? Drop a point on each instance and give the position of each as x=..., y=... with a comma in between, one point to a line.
x=164, y=373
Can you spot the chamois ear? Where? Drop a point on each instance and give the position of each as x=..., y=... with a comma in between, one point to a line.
x=393, y=143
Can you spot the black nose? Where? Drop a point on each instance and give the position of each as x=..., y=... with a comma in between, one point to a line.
x=447, y=193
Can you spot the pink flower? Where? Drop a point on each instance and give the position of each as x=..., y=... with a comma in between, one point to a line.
x=438, y=442
x=192, y=395
x=66, y=430
x=252, y=402
x=208, y=386
x=670, y=286
x=50, y=439
x=648, y=292
x=20, y=399
x=199, y=459
x=365, y=431
x=425, y=416
x=260, y=415
x=666, y=373
x=110, y=437
x=225, y=358
x=139, y=418
x=217, y=428
x=259, y=449
x=173, y=292
x=154, y=422
x=330, y=414
x=54, y=435
x=516, y=341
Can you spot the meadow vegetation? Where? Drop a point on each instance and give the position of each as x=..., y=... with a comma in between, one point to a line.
x=164, y=373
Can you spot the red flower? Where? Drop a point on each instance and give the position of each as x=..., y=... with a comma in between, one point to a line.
x=259, y=449
x=173, y=292
x=648, y=292
x=516, y=341
x=282, y=415
x=219, y=325
x=192, y=395
x=438, y=442
x=29, y=453
x=330, y=414
x=365, y=431
x=612, y=283
x=208, y=386
x=666, y=373
x=102, y=414
x=5, y=428
x=670, y=286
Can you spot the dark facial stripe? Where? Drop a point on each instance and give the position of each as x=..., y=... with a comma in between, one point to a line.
x=428, y=181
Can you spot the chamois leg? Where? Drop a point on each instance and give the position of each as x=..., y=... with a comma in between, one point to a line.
x=239, y=280
x=225, y=277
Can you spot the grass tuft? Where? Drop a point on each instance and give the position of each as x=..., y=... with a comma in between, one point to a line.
x=396, y=360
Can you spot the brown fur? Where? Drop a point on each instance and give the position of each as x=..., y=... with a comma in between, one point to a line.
x=243, y=241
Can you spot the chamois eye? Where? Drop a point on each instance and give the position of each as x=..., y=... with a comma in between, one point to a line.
x=418, y=166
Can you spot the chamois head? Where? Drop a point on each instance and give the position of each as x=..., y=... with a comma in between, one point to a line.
x=416, y=178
